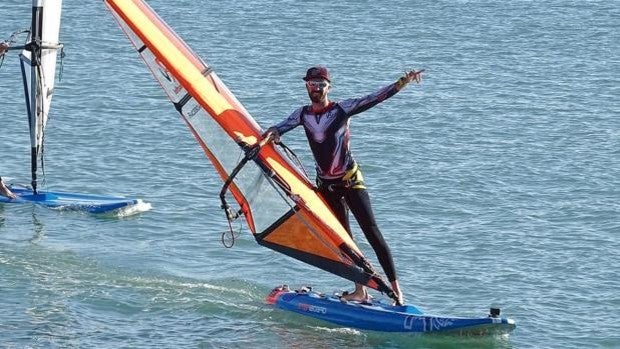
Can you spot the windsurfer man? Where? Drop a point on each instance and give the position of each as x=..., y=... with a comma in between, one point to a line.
x=339, y=178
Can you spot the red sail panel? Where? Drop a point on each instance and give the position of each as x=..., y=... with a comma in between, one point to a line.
x=282, y=209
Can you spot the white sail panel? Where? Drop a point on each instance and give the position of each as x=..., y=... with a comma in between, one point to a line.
x=49, y=51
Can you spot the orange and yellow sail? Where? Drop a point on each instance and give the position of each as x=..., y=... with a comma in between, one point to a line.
x=278, y=202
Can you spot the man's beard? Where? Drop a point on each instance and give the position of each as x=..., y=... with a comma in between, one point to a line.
x=316, y=96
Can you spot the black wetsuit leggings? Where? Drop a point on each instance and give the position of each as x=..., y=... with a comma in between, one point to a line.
x=359, y=202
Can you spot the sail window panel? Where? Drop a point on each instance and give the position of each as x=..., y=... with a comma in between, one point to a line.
x=265, y=203
x=170, y=85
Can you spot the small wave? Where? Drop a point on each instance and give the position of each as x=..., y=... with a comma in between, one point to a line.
x=139, y=207
x=339, y=330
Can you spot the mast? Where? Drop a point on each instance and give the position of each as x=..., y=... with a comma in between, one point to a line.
x=36, y=103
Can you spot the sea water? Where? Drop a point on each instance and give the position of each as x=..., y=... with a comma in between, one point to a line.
x=496, y=181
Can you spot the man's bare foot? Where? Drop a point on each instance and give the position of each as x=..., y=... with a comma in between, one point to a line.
x=356, y=297
x=359, y=295
x=398, y=292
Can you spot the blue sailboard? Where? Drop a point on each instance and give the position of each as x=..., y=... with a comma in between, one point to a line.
x=70, y=201
x=378, y=316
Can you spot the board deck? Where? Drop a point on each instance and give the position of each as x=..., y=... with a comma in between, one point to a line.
x=70, y=201
x=379, y=316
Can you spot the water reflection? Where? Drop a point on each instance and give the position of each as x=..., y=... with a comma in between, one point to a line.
x=14, y=225
x=38, y=229
x=2, y=219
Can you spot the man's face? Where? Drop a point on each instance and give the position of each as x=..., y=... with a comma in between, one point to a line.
x=317, y=89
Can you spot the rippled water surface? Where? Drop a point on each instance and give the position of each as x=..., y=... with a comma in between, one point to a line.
x=496, y=182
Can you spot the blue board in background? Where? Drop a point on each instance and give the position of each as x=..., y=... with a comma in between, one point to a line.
x=70, y=201
x=379, y=316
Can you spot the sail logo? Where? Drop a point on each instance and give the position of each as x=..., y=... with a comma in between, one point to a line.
x=176, y=87
x=312, y=308
x=194, y=110
x=164, y=72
